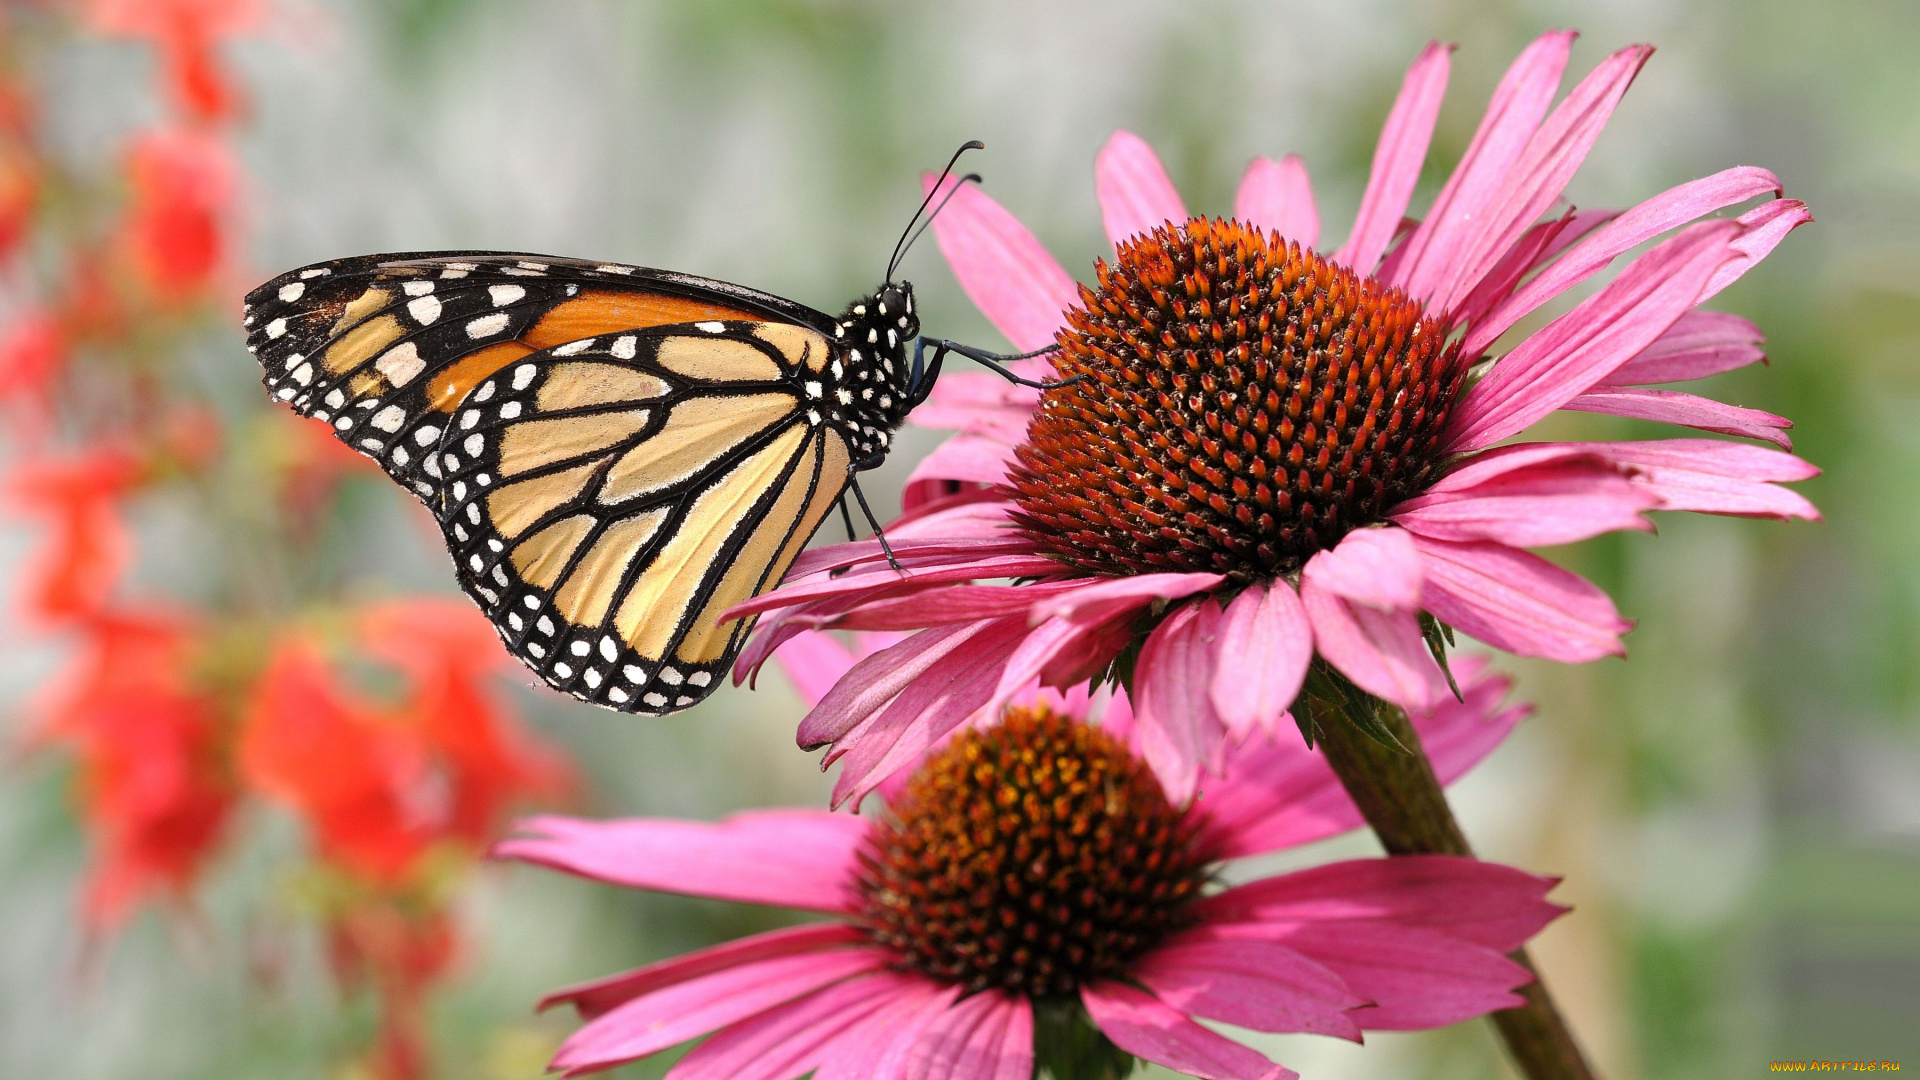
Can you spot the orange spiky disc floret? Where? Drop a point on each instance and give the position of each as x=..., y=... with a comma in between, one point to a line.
x=1033, y=857
x=1243, y=403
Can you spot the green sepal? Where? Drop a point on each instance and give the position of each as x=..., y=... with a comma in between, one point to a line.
x=1333, y=699
x=1438, y=636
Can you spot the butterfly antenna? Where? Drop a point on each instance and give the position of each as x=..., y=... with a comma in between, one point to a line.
x=900, y=246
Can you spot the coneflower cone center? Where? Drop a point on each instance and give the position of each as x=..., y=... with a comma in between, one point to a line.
x=1242, y=403
x=1032, y=857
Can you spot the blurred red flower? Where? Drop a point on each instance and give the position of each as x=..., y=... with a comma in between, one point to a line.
x=400, y=952
x=449, y=651
x=352, y=774
x=186, y=33
x=72, y=576
x=19, y=168
x=155, y=791
x=33, y=350
x=176, y=226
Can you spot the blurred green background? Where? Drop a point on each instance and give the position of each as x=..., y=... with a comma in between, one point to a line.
x=1736, y=808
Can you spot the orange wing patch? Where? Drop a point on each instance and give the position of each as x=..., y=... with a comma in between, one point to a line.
x=602, y=311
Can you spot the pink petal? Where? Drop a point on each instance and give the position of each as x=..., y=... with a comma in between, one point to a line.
x=1715, y=477
x=1397, y=159
x=1668, y=210
x=1432, y=264
x=813, y=663
x=950, y=604
x=878, y=679
x=966, y=457
x=1555, y=503
x=1686, y=410
x=1766, y=226
x=1278, y=794
x=594, y=998
x=1101, y=599
x=932, y=705
x=1135, y=195
x=1056, y=652
x=978, y=403
x=970, y=1041
x=1375, y=567
x=1264, y=647
x=1536, y=247
x=1700, y=344
x=1175, y=728
x=1485, y=903
x=1415, y=978
x=1552, y=155
x=878, y=1049
x=1007, y=274
x=788, y=858
x=1148, y=1028
x=652, y=1022
x=787, y=1040
x=1279, y=199
x=1519, y=602
x=1381, y=651
x=1584, y=346
x=885, y=581
x=1250, y=984
x=933, y=509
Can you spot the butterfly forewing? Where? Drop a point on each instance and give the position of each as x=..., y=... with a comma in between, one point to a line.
x=608, y=498
x=385, y=347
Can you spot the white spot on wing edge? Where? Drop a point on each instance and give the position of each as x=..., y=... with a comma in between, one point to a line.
x=277, y=327
x=523, y=374
x=487, y=325
x=292, y=291
x=503, y=295
x=712, y=327
x=390, y=418
x=625, y=347
x=400, y=364
x=425, y=309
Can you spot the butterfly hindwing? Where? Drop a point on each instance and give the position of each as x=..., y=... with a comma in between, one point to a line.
x=607, y=498
x=384, y=347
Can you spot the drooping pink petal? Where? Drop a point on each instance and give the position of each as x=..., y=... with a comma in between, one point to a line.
x=1375, y=567
x=1262, y=654
x=1766, y=226
x=1552, y=155
x=879, y=1048
x=932, y=705
x=934, y=509
x=1519, y=602
x=1714, y=477
x=591, y=999
x=1175, y=728
x=1278, y=197
x=940, y=552
x=966, y=457
x=1381, y=651
x=1700, y=344
x=1276, y=793
x=1058, y=652
x=1148, y=1028
x=1554, y=503
x=654, y=1021
x=787, y=1041
x=1429, y=268
x=1008, y=275
x=1397, y=159
x=1360, y=598
x=1486, y=903
x=1132, y=186
x=788, y=858
x=1252, y=984
x=1686, y=410
x=873, y=583
x=1668, y=210
x=1105, y=598
x=1584, y=346
x=813, y=663
x=880, y=678
x=1415, y=978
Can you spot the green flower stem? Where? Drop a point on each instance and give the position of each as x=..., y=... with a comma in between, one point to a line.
x=1397, y=791
x=1067, y=1046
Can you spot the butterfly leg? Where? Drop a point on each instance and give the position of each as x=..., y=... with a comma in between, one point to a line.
x=853, y=482
x=994, y=362
x=846, y=518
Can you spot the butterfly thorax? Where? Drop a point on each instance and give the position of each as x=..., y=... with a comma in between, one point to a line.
x=869, y=383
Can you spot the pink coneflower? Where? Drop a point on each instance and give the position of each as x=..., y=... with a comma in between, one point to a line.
x=1030, y=870
x=1271, y=454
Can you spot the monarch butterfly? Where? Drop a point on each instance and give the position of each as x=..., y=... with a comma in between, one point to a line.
x=616, y=455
